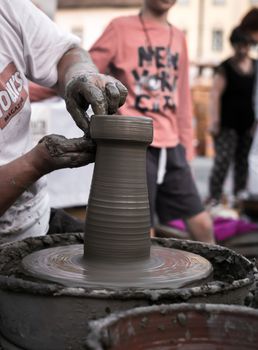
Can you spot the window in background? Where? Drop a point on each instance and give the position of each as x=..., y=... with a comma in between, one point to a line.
x=79, y=32
x=183, y=2
x=217, y=40
x=185, y=32
x=219, y=2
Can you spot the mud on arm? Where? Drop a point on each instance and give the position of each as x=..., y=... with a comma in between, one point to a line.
x=53, y=152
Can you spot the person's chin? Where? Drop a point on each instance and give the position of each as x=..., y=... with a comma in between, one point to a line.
x=165, y=5
x=168, y=2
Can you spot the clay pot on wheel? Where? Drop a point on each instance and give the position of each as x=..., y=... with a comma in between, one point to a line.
x=52, y=286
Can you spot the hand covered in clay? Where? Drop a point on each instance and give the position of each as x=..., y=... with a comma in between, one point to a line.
x=104, y=93
x=57, y=152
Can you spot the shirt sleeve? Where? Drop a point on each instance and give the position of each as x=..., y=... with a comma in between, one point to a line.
x=184, y=109
x=43, y=42
x=103, y=52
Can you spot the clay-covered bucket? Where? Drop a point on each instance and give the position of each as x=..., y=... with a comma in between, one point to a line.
x=245, y=244
x=179, y=326
x=40, y=315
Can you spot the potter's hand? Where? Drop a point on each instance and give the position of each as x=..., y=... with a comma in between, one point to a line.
x=58, y=152
x=104, y=93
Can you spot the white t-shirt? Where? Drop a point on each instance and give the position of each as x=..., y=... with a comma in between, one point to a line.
x=30, y=47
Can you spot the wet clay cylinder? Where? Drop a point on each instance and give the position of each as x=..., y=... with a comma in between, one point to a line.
x=117, y=251
x=118, y=218
x=174, y=327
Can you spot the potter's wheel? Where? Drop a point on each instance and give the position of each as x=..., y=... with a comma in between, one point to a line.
x=57, y=316
x=117, y=252
x=166, y=268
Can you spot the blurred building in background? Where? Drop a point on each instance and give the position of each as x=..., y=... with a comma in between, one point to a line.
x=206, y=23
x=47, y=6
x=88, y=18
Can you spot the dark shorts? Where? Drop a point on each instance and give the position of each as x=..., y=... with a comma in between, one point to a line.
x=62, y=222
x=177, y=196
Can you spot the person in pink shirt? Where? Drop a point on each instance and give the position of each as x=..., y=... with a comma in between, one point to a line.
x=149, y=55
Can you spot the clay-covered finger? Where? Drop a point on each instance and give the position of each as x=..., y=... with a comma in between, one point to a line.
x=96, y=97
x=77, y=145
x=86, y=158
x=75, y=160
x=113, y=97
x=54, y=144
x=58, y=145
x=122, y=92
x=78, y=114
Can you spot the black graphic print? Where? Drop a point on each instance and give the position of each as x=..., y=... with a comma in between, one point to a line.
x=155, y=79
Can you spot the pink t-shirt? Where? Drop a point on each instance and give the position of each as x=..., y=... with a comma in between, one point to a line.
x=155, y=72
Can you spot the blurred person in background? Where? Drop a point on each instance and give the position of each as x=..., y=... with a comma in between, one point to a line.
x=33, y=47
x=149, y=55
x=249, y=25
x=232, y=118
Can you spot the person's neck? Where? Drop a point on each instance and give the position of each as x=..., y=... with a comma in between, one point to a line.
x=154, y=16
x=241, y=59
x=243, y=64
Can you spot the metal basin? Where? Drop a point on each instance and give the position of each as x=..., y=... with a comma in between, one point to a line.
x=174, y=327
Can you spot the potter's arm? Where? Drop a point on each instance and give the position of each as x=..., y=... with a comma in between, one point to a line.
x=52, y=153
x=81, y=85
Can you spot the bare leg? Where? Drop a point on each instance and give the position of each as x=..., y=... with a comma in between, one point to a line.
x=200, y=227
x=152, y=232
